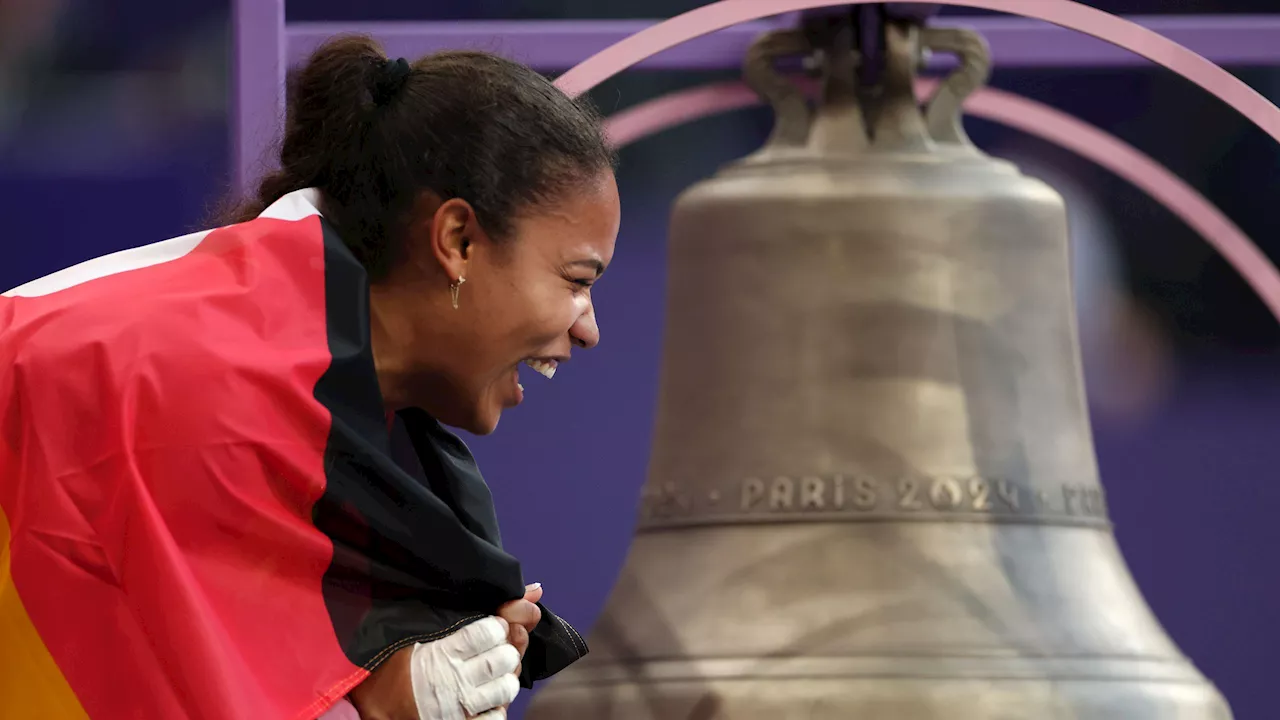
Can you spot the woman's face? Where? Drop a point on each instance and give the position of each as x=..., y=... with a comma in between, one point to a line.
x=526, y=302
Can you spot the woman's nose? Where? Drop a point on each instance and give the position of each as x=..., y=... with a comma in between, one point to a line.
x=586, y=332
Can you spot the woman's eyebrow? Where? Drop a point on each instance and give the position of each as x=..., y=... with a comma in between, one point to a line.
x=592, y=263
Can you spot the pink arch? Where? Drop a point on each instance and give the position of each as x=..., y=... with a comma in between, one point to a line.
x=1066, y=131
x=1029, y=116
x=1072, y=15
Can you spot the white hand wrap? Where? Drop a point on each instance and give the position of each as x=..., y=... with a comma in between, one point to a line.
x=469, y=674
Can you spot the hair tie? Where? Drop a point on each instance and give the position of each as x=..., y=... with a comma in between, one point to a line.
x=390, y=79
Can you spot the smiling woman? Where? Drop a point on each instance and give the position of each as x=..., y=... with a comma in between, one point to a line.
x=244, y=502
x=460, y=168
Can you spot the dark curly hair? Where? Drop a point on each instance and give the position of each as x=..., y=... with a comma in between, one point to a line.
x=463, y=124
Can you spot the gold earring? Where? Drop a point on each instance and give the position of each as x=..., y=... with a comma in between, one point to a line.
x=453, y=290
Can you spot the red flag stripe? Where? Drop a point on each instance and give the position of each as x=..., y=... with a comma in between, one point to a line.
x=159, y=492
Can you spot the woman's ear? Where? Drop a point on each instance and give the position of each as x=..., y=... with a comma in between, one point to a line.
x=449, y=243
x=439, y=236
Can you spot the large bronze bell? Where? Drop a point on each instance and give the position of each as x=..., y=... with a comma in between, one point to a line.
x=873, y=493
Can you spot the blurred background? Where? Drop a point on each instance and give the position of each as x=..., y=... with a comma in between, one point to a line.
x=114, y=133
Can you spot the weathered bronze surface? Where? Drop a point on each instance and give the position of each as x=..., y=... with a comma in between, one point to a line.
x=873, y=492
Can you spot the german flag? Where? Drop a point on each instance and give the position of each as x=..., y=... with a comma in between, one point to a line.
x=205, y=511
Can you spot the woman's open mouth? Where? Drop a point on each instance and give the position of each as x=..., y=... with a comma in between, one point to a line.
x=545, y=366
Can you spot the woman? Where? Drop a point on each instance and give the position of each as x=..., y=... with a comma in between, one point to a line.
x=227, y=490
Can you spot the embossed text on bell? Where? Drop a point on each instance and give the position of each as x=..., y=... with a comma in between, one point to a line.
x=872, y=491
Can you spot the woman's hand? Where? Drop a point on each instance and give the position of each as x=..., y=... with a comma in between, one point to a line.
x=469, y=674
x=523, y=616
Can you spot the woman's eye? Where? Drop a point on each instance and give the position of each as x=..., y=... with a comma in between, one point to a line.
x=582, y=284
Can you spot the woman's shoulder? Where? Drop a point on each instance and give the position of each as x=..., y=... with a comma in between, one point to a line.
x=228, y=323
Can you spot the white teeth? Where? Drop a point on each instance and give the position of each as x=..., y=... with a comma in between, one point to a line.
x=546, y=369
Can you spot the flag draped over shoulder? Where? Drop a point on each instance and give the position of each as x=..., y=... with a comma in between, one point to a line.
x=204, y=511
